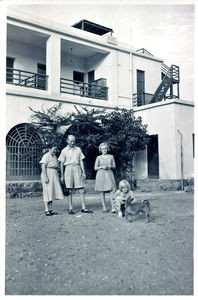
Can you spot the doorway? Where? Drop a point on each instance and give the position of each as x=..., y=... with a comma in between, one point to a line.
x=41, y=82
x=153, y=157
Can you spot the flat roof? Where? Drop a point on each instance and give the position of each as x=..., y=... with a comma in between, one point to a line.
x=92, y=27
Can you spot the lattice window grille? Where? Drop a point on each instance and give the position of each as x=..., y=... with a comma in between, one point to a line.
x=23, y=151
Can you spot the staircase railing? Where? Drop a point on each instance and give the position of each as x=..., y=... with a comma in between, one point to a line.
x=141, y=98
x=164, y=68
x=144, y=51
x=171, y=75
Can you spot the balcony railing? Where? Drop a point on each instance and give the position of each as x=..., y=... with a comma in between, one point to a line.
x=26, y=79
x=141, y=98
x=91, y=90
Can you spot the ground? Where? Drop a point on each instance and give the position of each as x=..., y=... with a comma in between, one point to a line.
x=99, y=254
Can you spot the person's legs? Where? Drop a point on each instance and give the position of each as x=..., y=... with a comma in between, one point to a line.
x=113, y=209
x=71, y=212
x=119, y=213
x=46, y=206
x=50, y=205
x=70, y=201
x=82, y=197
x=117, y=205
x=102, y=197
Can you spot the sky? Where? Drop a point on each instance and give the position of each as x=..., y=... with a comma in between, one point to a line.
x=167, y=31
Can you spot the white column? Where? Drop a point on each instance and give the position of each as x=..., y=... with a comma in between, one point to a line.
x=53, y=64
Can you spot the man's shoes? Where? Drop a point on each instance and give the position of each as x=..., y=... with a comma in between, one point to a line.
x=48, y=213
x=71, y=212
x=87, y=211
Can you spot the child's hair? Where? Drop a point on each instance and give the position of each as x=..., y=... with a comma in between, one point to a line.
x=124, y=183
x=103, y=144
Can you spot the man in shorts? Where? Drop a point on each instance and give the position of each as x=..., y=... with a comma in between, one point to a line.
x=71, y=158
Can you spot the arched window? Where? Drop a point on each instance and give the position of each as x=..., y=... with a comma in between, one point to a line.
x=23, y=153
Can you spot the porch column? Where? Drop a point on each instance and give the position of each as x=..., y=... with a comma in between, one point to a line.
x=53, y=64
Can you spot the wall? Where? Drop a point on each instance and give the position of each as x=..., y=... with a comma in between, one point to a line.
x=184, y=122
x=141, y=167
x=152, y=71
x=105, y=66
x=68, y=66
x=164, y=119
x=26, y=56
x=22, y=104
x=124, y=79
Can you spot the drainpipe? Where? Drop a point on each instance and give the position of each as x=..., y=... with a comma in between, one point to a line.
x=130, y=79
x=131, y=69
x=182, y=165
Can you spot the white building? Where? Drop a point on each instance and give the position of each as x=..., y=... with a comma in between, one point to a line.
x=85, y=64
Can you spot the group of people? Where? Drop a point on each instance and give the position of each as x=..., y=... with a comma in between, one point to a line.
x=70, y=162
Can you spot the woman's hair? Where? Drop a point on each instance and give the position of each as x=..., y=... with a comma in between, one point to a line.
x=103, y=144
x=124, y=183
x=51, y=145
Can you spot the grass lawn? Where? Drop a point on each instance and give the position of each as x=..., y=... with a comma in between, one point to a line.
x=99, y=254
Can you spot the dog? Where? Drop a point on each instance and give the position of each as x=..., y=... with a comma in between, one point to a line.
x=131, y=209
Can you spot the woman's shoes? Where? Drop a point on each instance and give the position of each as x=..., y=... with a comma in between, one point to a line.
x=71, y=212
x=113, y=211
x=87, y=211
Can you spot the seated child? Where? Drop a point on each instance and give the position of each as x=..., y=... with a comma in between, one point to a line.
x=121, y=196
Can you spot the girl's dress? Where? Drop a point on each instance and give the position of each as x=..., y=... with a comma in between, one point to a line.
x=105, y=180
x=51, y=190
x=120, y=198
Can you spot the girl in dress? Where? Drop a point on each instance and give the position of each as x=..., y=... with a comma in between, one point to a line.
x=121, y=196
x=105, y=181
x=50, y=179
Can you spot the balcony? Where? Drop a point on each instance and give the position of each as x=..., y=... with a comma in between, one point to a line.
x=96, y=89
x=141, y=98
x=26, y=79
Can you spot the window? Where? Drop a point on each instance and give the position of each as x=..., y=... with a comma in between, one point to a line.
x=9, y=69
x=78, y=76
x=41, y=82
x=23, y=153
x=140, y=87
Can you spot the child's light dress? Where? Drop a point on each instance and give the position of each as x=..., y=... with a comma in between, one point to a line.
x=120, y=198
x=51, y=190
x=105, y=181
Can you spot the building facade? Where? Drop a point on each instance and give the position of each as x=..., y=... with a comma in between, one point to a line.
x=85, y=64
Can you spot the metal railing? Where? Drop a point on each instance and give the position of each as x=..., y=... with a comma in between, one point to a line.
x=164, y=68
x=144, y=51
x=83, y=89
x=141, y=98
x=26, y=79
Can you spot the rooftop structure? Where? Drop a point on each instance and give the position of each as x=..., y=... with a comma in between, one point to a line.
x=92, y=27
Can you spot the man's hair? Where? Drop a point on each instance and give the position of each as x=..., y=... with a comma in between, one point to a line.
x=70, y=135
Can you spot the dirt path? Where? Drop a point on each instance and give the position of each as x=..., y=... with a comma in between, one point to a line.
x=99, y=254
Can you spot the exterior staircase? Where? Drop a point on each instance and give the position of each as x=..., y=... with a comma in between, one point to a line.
x=170, y=77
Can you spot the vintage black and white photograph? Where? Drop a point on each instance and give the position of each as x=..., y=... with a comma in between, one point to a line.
x=100, y=148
